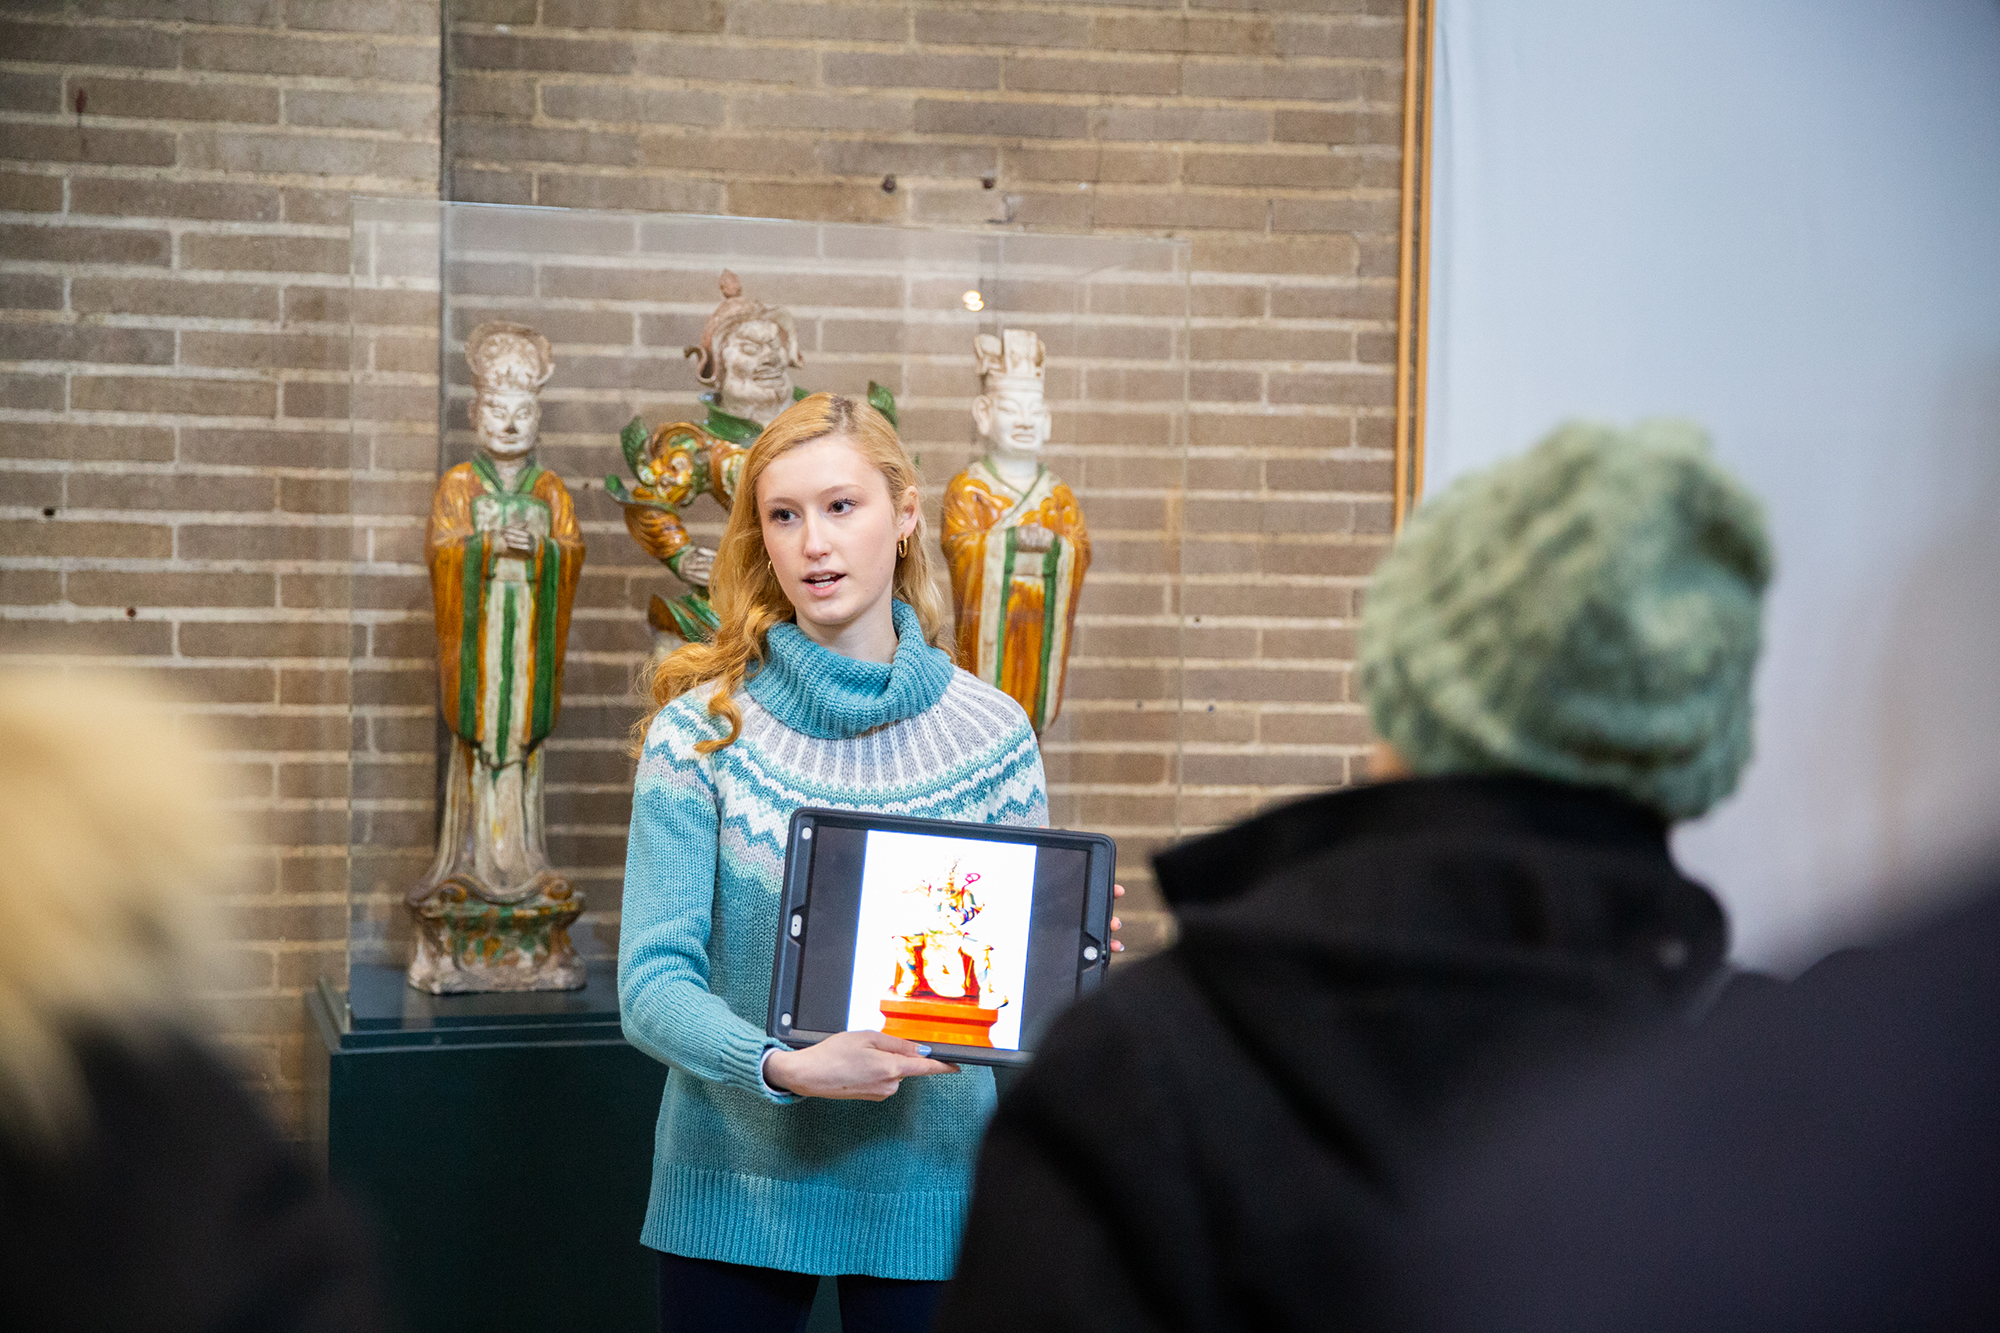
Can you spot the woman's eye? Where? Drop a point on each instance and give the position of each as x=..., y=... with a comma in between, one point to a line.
x=781, y=515
x=840, y=506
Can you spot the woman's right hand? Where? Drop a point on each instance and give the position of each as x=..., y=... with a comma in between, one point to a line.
x=851, y=1066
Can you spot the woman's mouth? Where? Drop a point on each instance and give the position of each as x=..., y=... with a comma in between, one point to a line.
x=823, y=582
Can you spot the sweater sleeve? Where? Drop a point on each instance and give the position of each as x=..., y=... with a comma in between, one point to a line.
x=670, y=876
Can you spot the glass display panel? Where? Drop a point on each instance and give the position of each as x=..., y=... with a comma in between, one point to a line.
x=621, y=299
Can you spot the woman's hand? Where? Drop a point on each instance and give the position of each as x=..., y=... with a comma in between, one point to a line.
x=851, y=1066
x=1117, y=891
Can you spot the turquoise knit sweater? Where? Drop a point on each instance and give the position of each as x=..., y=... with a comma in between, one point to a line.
x=740, y=1173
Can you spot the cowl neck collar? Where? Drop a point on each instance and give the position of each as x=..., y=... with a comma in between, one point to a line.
x=821, y=693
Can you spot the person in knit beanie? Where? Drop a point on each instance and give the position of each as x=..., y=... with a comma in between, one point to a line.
x=1588, y=612
x=1560, y=650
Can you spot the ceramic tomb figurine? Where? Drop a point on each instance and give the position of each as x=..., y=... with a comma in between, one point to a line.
x=747, y=352
x=1014, y=536
x=504, y=553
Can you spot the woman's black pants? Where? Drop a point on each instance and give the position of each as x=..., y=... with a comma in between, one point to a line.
x=707, y=1296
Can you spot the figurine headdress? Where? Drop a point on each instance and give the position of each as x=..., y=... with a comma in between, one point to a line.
x=736, y=310
x=1015, y=356
x=508, y=356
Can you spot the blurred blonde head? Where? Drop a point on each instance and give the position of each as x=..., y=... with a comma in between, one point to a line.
x=111, y=845
x=747, y=595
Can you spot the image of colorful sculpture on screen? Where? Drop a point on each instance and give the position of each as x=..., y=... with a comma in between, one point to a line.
x=1014, y=536
x=746, y=356
x=942, y=938
x=504, y=552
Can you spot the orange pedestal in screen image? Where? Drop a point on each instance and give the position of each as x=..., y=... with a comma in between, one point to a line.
x=950, y=1022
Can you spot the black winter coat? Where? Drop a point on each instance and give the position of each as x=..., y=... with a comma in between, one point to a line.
x=180, y=1211
x=1215, y=1139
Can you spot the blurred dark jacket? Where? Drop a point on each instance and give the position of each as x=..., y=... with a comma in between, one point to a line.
x=179, y=1209
x=1216, y=1139
x=1826, y=1158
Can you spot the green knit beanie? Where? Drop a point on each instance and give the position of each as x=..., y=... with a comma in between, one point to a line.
x=1588, y=612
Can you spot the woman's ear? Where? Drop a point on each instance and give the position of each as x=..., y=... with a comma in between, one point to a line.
x=906, y=518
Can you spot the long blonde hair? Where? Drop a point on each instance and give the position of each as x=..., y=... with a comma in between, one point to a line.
x=746, y=593
x=114, y=849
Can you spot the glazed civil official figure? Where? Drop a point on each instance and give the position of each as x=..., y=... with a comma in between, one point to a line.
x=1014, y=537
x=504, y=551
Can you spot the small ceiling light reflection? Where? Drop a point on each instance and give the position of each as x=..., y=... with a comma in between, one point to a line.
x=973, y=301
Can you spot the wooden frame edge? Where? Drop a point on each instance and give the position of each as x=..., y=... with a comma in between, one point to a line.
x=1413, y=261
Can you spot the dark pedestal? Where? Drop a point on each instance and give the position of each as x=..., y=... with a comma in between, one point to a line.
x=503, y=1143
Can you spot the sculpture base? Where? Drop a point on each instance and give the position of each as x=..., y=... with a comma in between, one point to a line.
x=953, y=1022
x=466, y=944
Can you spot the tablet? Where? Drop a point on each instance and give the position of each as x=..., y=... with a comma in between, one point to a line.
x=970, y=938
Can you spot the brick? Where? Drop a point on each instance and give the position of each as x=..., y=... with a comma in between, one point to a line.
x=59, y=537
x=1204, y=35
x=32, y=490
x=206, y=200
x=1108, y=165
x=265, y=351
x=1271, y=80
x=1014, y=120
x=1383, y=128
x=862, y=157
x=1350, y=215
x=31, y=92
x=491, y=187
x=71, y=443
x=553, y=55
x=261, y=53
x=291, y=153
x=30, y=587
x=1290, y=170
x=21, y=193
x=107, y=638
x=1320, y=255
x=171, y=588
x=680, y=59
x=1346, y=301
x=173, y=296
x=86, y=342
x=1228, y=212
x=30, y=291
x=955, y=25
x=503, y=95
x=60, y=43
x=277, y=254
x=636, y=15
x=1160, y=78
x=97, y=145
x=238, y=13
x=166, y=99
x=822, y=111
x=321, y=208
x=375, y=16
x=264, y=639
x=1345, y=389
x=265, y=448
x=1271, y=344
x=85, y=245
x=412, y=114
x=819, y=203
x=180, y=396
x=909, y=70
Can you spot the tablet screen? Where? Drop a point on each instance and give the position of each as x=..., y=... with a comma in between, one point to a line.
x=963, y=941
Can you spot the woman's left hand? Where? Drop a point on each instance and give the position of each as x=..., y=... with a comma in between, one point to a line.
x=1117, y=891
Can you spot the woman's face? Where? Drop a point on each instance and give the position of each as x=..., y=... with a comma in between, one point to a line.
x=831, y=527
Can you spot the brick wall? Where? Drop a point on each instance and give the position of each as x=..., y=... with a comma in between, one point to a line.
x=1266, y=134
x=175, y=465
x=173, y=397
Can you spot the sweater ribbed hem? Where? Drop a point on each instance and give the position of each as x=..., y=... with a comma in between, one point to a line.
x=804, y=1228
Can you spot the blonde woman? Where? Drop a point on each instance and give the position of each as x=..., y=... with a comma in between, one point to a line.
x=140, y=1186
x=828, y=683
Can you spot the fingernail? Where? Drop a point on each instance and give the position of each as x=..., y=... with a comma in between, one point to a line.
x=923, y=1049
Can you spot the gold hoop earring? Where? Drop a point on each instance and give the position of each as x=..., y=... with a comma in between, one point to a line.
x=902, y=547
